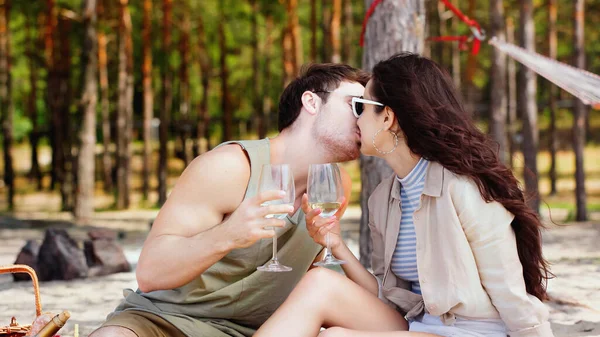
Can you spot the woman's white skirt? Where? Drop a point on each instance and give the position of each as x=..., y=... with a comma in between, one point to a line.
x=461, y=328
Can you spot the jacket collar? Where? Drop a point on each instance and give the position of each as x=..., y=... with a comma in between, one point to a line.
x=434, y=181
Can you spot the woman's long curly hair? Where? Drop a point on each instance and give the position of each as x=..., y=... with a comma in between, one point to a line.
x=437, y=127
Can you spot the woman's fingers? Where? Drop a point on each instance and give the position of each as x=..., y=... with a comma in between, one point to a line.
x=320, y=223
x=326, y=229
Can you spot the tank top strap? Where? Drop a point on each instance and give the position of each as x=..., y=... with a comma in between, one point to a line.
x=259, y=154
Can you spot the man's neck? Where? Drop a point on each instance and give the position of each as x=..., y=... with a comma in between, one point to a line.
x=299, y=151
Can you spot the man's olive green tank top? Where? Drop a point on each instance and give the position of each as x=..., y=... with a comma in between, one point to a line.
x=232, y=290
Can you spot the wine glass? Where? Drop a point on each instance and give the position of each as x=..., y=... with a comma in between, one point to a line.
x=277, y=177
x=325, y=191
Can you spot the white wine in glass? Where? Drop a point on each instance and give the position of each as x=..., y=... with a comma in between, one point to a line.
x=325, y=191
x=328, y=209
x=277, y=177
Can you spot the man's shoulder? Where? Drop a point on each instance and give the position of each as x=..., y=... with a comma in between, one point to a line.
x=229, y=158
x=222, y=170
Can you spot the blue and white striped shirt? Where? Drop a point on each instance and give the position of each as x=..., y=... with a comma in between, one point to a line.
x=404, y=260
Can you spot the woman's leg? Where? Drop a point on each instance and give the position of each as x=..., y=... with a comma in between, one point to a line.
x=341, y=332
x=326, y=298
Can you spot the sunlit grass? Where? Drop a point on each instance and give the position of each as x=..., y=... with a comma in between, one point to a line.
x=29, y=199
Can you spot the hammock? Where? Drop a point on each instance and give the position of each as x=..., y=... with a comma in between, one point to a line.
x=578, y=82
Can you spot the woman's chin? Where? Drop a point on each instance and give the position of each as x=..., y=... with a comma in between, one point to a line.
x=366, y=150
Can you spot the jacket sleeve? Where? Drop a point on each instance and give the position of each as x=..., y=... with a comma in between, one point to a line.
x=377, y=255
x=487, y=226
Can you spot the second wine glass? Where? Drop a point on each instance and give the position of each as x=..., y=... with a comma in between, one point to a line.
x=325, y=191
x=277, y=177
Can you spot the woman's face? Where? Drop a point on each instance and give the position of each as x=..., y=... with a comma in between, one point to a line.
x=371, y=122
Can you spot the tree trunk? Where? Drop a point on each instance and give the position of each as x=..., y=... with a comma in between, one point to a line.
x=148, y=95
x=53, y=95
x=326, y=29
x=443, y=31
x=257, y=95
x=456, y=73
x=184, y=85
x=105, y=110
x=165, y=112
x=313, y=30
x=294, y=29
x=498, y=104
x=471, y=59
x=469, y=87
x=268, y=51
x=107, y=166
x=336, y=20
x=225, y=99
x=527, y=105
x=203, y=140
x=129, y=98
x=6, y=107
x=58, y=96
x=579, y=112
x=552, y=50
x=287, y=56
x=84, y=207
x=63, y=119
x=125, y=107
x=35, y=172
x=393, y=27
x=347, y=49
x=512, y=94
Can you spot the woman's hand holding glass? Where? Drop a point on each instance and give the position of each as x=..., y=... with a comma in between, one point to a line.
x=318, y=227
x=325, y=191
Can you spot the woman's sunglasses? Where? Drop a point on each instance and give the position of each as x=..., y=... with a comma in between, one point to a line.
x=358, y=105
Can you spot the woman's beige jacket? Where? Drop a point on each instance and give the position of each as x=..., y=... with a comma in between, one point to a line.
x=466, y=255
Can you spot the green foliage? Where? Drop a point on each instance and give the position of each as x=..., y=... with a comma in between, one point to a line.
x=237, y=16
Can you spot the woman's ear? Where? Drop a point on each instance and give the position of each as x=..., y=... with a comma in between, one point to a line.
x=389, y=119
x=310, y=102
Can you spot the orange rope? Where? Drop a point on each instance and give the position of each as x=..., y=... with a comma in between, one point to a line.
x=477, y=36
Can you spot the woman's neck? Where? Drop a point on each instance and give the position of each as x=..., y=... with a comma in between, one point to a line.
x=402, y=161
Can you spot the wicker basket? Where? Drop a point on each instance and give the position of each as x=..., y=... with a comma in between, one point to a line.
x=15, y=329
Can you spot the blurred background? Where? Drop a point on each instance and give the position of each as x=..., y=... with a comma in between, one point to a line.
x=208, y=71
x=103, y=103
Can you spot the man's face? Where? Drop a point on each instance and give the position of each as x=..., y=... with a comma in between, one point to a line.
x=335, y=127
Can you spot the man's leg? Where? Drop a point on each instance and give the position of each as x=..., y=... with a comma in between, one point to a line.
x=135, y=323
x=113, y=331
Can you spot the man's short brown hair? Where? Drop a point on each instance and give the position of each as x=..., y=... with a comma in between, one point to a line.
x=318, y=78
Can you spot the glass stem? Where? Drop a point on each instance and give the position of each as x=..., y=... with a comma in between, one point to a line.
x=274, y=246
x=327, y=249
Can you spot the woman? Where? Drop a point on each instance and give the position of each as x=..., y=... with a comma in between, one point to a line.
x=455, y=248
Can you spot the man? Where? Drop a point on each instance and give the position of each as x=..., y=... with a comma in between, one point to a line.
x=197, y=271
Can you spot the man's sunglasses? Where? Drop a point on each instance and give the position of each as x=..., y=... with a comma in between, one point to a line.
x=358, y=105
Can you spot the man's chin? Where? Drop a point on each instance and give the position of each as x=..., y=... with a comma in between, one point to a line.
x=357, y=152
x=342, y=155
x=343, y=151
x=352, y=154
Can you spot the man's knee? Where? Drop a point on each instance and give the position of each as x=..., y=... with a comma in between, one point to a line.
x=113, y=331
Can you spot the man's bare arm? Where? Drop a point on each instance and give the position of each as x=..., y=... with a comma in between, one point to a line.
x=193, y=230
